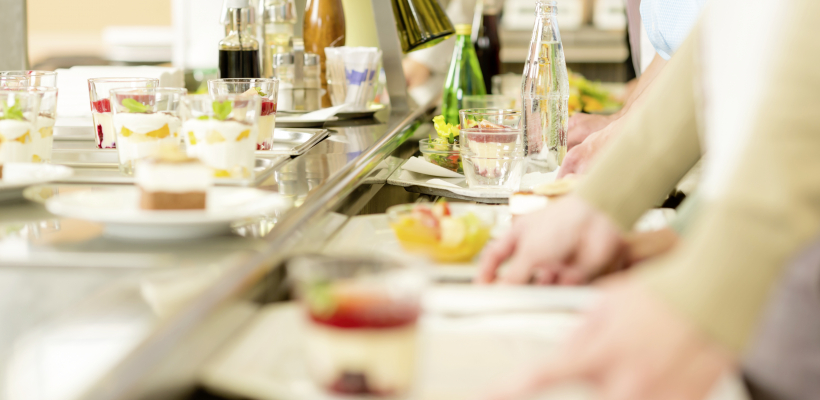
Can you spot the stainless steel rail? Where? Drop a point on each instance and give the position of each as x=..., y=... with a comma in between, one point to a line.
x=144, y=373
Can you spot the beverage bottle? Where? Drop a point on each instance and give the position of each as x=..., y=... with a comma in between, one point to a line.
x=464, y=77
x=545, y=92
x=239, y=50
x=324, y=26
x=279, y=19
x=487, y=44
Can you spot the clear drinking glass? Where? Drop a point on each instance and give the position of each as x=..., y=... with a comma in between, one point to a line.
x=145, y=120
x=99, y=92
x=489, y=101
x=35, y=78
x=361, y=331
x=268, y=89
x=18, y=123
x=42, y=137
x=221, y=131
x=492, y=148
x=13, y=81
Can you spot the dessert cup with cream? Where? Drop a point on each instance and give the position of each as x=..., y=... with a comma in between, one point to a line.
x=34, y=78
x=221, y=131
x=42, y=137
x=101, y=113
x=267, y=89
x=19, y=110
x=492, y=148
x=144, y=120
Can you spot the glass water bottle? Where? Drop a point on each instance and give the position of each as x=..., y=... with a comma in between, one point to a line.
x=239, y=50
x=545, y=92
x=279, y=18
x=464, y=77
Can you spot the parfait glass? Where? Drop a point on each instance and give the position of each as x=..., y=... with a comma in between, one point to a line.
x=99, y=91
x=267, y=89
x=34, y=78
x=221, y=131
x=492, y=148
x=42, y=137
x=361, y=330
x=145, y=120
x=18, y=123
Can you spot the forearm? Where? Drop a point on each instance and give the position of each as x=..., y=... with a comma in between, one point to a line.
x=658, y=145
x=643, y=82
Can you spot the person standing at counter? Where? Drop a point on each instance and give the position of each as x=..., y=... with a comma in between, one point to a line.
x=667, y=23
x=675, y=325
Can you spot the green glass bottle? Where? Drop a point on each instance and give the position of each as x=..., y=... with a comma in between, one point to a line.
x=464, y=77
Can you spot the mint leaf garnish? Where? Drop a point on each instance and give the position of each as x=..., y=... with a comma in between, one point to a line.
x=222, y=109
x=134, y=106
x=13, y=112
x=203, y=117
x=260, y=92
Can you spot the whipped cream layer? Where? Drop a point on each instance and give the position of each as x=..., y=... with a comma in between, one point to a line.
x=226, y=146
x=16, y=140
x=105, y=135
x=172, y=177
x=267, y=124
x=141, y=135
x=384, y=357
x=43, y=139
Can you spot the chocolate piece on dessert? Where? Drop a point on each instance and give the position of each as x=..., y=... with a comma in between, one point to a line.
x=172, y=181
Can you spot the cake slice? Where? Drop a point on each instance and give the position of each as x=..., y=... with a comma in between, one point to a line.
x=172, y=181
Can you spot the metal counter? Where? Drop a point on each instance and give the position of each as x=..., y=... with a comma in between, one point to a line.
x=89, y=317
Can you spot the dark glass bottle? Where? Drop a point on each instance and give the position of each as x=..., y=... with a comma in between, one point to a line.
x=488, y=46
x=239, y=50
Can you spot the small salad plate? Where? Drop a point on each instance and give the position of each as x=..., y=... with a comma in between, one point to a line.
x=18, y=176
x=118, y=210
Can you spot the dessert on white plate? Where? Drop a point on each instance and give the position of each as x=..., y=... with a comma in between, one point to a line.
x=225, y=146
x=173, y=181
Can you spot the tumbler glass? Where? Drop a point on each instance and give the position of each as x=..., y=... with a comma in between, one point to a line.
x=42, y=137
x=492, y=148
x=221, y=131
x=99, y=91
x=268, y=89
x=361, y=331
x=145, y=120
x=13, y=81
x=35, y=78
x=18, y=123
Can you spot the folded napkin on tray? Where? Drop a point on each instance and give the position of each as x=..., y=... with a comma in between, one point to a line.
x=73, y=84
x=422, y=166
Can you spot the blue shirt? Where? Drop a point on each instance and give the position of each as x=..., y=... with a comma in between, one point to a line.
x=668, y=22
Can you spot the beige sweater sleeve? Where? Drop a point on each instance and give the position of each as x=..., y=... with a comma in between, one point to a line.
x=658, y=145
x=721, y=276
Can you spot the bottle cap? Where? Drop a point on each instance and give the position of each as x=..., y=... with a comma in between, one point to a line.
x=237, y=3
x=464, y=29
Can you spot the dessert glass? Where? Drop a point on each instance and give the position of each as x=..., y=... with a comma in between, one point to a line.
x=492, y=148
x=35, y=78
x=444, y=155
x=18, y=123
x=221, y=131
x=13, y=81
x=42, y=138
x=144, y=120
x=268, y=89
x=99, y=91
x=361, y=330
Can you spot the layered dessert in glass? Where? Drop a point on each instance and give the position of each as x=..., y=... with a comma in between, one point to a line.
x=33, y=77
x=221, y=131
x=18, y=123
x=101, y=112
x=43, y=138
x=266, y=89
x=171, y=180
x=492, y=148
x=361, y=329
x=144, y=120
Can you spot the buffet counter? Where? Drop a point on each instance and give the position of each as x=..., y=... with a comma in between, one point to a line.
x=139, y=318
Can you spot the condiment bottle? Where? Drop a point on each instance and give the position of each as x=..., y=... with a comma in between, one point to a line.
x=488, y=45
x=324, y=26
x=279, y=18
x=239, y=50
x=464, y=77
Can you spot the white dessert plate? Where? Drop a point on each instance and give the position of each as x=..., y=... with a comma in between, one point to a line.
x=118, y=209
x=18, y=176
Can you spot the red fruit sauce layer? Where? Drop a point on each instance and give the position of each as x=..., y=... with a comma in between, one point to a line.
x=101, y=106
x=368, y=310
x=490, y=135
x=268, y=107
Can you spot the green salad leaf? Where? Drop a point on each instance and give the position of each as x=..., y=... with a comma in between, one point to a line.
x=222, y=109
x=135, y=106
x=13, y=112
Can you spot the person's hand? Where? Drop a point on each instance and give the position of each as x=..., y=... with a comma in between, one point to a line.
x=580, y=158
x=581, y=125
x=415, y=72
x=642, y=246
x=568, y=242
x=630, y=347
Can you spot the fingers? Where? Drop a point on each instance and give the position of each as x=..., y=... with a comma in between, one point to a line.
x=494, y=255
x=571, y=162
x=599, y=248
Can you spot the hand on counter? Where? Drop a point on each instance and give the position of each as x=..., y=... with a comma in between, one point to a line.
x=581, y=125
x=580, y=158
x=631, y=346
x=569, y=242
